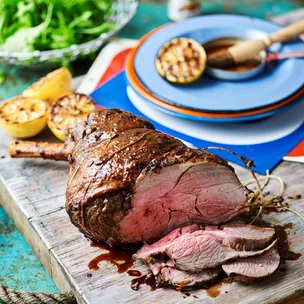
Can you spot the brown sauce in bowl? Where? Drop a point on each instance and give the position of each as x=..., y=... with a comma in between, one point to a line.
x=242, y=67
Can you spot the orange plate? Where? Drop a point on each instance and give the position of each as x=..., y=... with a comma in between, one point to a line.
x=141, y=90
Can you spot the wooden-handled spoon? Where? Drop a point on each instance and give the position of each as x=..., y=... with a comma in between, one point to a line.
x=248, y=49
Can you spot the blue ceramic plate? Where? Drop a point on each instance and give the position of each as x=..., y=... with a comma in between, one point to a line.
x=208, y=119
x=280, y=79
x=249, y=133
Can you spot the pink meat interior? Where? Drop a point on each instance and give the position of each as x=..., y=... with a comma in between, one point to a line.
x=202, y=193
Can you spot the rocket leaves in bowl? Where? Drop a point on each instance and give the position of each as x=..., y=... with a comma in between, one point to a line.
x=27, y=25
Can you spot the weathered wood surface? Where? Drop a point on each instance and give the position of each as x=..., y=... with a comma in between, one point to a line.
x=32, y=192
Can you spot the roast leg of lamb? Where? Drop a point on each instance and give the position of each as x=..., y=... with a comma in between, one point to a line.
x=130, y=183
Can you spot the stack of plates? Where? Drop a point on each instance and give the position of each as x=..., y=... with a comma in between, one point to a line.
x=209, y=99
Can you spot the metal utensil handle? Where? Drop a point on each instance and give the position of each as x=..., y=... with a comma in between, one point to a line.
x=276, y=56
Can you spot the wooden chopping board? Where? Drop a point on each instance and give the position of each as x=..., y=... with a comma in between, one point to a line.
x=32, y=192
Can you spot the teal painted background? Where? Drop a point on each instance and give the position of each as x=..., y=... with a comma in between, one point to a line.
x=19, y=267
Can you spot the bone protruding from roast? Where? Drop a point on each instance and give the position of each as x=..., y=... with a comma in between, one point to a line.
x=31, y=149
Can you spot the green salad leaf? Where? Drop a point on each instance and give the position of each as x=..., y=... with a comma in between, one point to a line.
x=2, y=77
x=27, y=25
x=23, y=39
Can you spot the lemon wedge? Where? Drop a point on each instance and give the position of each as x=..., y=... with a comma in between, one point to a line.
x=181, y=60
x=23, y=117
x=68, y=111
x=51, y=87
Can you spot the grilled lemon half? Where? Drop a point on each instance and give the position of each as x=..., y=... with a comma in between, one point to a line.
x=181, y=60
x=68, y=111
x=51, y=87
x=23, y=117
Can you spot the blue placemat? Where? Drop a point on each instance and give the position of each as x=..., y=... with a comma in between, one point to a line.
x=266, y=156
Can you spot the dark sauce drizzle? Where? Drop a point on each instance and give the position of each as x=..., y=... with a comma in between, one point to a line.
x=147, y=279
x=134, y=273
x=187, y=294
x=122, y=258
x=214, y=289
x=196, y=297
x=283, y=245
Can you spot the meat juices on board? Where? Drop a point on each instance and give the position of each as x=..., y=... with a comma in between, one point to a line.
x=121, y=258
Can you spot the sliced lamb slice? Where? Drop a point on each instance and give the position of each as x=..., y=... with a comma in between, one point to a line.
x=254, y=237
x=239, y=237
x=184, y=279
x=168, y=275
x=244, y=237
x=157, y=266
x=210, y=228
x=194, y=252
x=148, y=251
x=253, y=268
